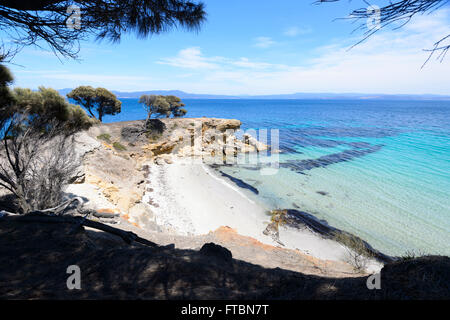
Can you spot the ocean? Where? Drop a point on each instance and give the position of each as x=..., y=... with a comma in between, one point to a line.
x=378, y=169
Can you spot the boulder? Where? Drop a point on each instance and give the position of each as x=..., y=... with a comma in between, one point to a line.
x=221, y=124
x=156, y=149
x=159, y=161
x=215, y=251
x=259, y=146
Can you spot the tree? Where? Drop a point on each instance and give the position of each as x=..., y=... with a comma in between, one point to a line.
x=45, y=21
x=162, y=106
x=36, y=132
x=176, y=106
x=6, y=97
x=99, y=100
x=155, y=105
x=401, y=11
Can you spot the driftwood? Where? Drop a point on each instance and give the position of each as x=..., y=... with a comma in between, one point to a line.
x=59, y=210
x=128, y=236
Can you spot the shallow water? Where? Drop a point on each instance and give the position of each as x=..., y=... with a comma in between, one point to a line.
x=378, y=169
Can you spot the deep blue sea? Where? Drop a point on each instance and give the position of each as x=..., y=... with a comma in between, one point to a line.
x=378, y=169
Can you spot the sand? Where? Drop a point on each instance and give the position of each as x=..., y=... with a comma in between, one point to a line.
x=189, y=198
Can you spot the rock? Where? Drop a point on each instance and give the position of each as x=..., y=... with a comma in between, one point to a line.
x=79, y=179
x=215, y=251
x=245, y=148
x=140, y=208
x=167, y=158
x=221, y=124
x=85, y=143
x=159, y=161
x=230, y=150
x=106, y=213
x=133, y=134
x=156, y=126
x=272, y=229
x=160, y=148
x=249, y=140
x=142, y=215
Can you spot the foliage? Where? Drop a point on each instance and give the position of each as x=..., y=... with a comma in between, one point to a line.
x=411, y=254
x=45, y=21
x=105, y=137
x=175, y=106
x=36, y=143
x=400, y=12
x=155, y=105
x=162, y=106
x=277, y=216
x=119, y=147
x=99, y=100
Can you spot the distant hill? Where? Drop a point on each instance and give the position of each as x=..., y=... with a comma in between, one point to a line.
x=292, y=96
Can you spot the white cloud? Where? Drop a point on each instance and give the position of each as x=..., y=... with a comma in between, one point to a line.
x=246, y=63
x=295, y=31
x=263, y=42
x=388, y=62
x=191, y=58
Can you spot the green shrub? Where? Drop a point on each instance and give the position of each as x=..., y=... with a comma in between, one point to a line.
x=277, y=216
x=411, y=254
x=105, y=137
x=118, y=146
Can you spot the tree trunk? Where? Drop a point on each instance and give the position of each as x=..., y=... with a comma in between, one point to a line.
x=23, y=203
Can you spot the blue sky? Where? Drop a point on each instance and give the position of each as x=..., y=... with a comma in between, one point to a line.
x=256, y=47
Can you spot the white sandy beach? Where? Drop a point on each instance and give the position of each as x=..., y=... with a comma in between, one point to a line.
x=191, y=199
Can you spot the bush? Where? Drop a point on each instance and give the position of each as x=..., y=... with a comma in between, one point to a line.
x=105, y=137
x=37, y=158
x=118, y=146
x=411, y=254
x=358, y=253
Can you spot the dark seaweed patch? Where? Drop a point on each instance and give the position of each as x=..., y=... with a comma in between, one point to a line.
x=240, y=183
x=293, y=138
x=321, y=162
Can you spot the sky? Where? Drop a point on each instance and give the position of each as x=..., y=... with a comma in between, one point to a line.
x=257, y=47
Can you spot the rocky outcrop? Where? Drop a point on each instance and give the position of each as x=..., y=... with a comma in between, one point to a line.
x=202, y=137
x=112, y=156
x=220, y=124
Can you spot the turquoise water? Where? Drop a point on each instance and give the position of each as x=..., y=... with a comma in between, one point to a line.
x=378, y=169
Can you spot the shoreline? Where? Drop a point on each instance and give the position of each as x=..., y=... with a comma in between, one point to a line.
x=189, y=198
x=165, y=189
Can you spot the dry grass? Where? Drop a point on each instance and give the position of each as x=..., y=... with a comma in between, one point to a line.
x=358, y=255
